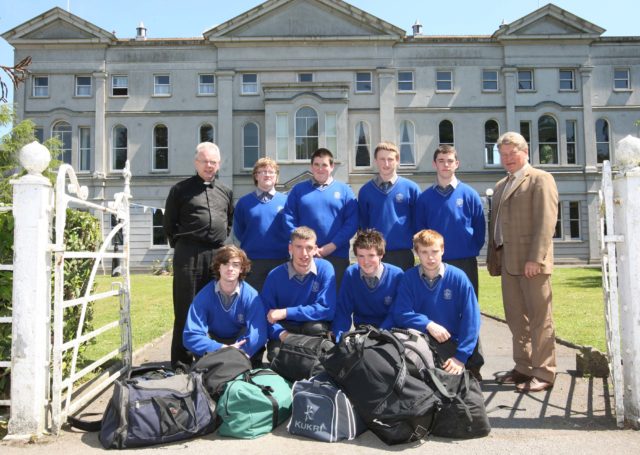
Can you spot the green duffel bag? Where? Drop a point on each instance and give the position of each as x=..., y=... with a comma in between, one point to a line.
x=253, y=404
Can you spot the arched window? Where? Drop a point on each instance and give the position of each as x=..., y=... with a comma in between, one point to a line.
x=306, y=133
x=491, y=135
x=119, y=146
x=602, y=140
x=445, y=130
x=160, y=147
x=207, y=133
x=363, y=145
x=548, y=140
x=250, y=144
x=62, y=131
x=407, y=143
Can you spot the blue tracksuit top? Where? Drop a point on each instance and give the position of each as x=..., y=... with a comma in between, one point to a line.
x=367, y=306
x=332, y=212
x=258, y=226
x=451, y=303
x=207, y=315
x=391, y=213
x=459, y=217
x=313, y=299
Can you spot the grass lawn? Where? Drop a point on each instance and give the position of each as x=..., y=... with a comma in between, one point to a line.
x=578, y=306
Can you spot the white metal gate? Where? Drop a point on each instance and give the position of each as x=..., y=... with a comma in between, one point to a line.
x=63, y=399
x=610, y=287
x=5, y=319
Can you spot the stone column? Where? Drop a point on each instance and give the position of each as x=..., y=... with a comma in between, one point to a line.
x=386, y=82
x=101, y=157
x=30, y=331
x=225, y=125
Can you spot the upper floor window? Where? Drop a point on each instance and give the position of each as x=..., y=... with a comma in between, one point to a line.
x=120, y=85
x=548, y=139
x=444, y=81
x=83, y=85
x=160, y=147
x=491, y=134
x=306, y=133
x=206, y=84
x=490, y=80
x=567, y=80
x=249, y=84
x=84, y=158
x=305, y=77
x=40, y=86
x=158, y=236
x=525, y=80
x=621, y=79
x=62, y=131
x=119, y=145
x=405, y=81
x=445, y=132
x=570, y=128
x=250, y=144
x=162, y=85
x=602, y=140
x=364, y=82
x=407, y=143
x=207, y=133
x=363, y=145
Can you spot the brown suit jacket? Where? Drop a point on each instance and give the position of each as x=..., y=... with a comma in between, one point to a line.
x=528, y=216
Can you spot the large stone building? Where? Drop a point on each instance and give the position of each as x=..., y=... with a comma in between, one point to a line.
x=271, y=82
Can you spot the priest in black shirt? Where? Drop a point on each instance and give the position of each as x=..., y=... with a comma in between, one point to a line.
x=197, y=220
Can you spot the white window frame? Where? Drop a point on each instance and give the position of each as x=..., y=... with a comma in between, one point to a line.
x=66, y=138
x=249, y=88
x=160, y=227
x=574, y=142
x=626, y=79
x=453, y=132
x=362, y=85
x=302, y=134
x=206, y=88
x=305, y=75
x=40, y=90
x=115, y=148
x=245, y=146
x=575, y=220
x=531, y=80
x=554, y=145
x=608, y=142
x=84, y=150
x=411, y=143
x=116, y=84
x=83, y=90
x=367, y=133
x=161, y=89
x=282, y=136
x=488, y=80
x=571, y=80
x=441, y=78
x=494, y=147
x=409, y=82
x=155, y=149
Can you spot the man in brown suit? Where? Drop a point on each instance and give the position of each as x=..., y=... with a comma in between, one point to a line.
x=521, y=251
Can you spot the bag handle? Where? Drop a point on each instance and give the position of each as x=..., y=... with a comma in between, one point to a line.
x=454, y=396
x=267, y=390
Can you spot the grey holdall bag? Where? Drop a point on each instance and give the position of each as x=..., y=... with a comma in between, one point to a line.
x=323, y=412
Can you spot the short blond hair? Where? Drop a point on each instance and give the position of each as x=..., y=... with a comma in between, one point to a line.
x=427, y=237
x=303, y=233
x=390, y=146
x=512, y=138
x=264, y=162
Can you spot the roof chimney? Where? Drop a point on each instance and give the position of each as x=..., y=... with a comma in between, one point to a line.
x=141, y=32
x=417, y=28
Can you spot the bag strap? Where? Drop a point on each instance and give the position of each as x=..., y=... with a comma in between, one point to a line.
x=85, y=425
x=453, y=396
x=267, y=390
x=167, y=416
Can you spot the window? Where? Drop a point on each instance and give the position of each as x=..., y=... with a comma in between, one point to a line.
x=83, y=85
x=525, y=80
x=525, y=131
x=567, y=80
x=282, y=136
x=405, y=81
x=249, y=84
x=489, y=80
x=574, y=219
x=84, y=160
x=364, y=83
x=548, y=140
x=557, y=234
x=206, y=84
x=445, y=130
x=305, y=77
x=120, y=85
x=620, y=79
x=363, y=145
x=62, y=131
x=570, y=126
x=250, y=144
x=157, y=229
x=119, y=147
x=407, y=144
x=491, y=134
x=207, y=133
x=40, y=86
x=602, y=140
x=160, y=147
x=331, y=133
x=162, y=85
x=38, y=133
x=306, y=133
x=444, y=81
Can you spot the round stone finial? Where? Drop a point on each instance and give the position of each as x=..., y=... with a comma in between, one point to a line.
x=35, y=158
x=628, y=153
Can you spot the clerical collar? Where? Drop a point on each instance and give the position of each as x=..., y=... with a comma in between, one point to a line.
x=293, y=272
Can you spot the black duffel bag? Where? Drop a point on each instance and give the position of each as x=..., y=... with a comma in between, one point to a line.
x=221, y=366
x=299, y=356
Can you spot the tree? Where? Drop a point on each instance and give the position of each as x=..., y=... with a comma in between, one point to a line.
x=17, y=74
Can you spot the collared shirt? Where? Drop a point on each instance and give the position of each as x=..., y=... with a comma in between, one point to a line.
x=444, y=190
x=293, y=273
x=431, y=282
x=519, y=174
x=322, y=186
x=265, y=196
x=372, y=281
x=227, y=300
x=385, y=186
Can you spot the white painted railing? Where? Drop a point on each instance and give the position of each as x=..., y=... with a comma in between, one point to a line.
x=5, y=319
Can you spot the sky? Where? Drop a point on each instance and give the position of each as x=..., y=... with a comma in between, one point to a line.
x=189, y=18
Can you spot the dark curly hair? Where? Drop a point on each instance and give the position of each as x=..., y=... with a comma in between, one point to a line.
x=369, y=238
x=224, y=255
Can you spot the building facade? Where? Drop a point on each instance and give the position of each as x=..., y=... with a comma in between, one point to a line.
x=270, y=82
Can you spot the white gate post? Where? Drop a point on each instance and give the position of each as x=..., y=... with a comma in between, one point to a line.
x=32, y=211
x=626, y=190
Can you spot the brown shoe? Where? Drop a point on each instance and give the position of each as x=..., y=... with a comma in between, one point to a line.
x=534, y=385
x=513, y=377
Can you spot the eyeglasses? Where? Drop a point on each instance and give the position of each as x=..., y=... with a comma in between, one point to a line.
x=211, y=162
x=266, y=173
